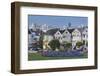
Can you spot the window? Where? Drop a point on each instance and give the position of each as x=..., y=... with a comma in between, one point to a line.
x=58, y=33
x=58, y=37
x=64, y=36
x=35, y=39
x=83, y=35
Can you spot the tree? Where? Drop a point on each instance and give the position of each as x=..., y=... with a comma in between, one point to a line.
x=41, y=41
x=54, y=44
x=83, y=42
x=78, y=44
x=86, y=43
x=68, y=45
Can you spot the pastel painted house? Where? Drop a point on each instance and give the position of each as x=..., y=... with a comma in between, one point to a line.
x=72, y=35
x=76, y=37
x=61, y=35
x=66, y=36
x=58, y=35
x=85, y=34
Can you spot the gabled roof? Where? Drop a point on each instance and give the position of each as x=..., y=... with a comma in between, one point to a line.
x=52, y=31
x=61, y=31
x=80, y=29
x=70, y=30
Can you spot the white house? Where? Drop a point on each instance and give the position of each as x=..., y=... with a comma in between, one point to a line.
x=63, y=35
x=85, y=34
x=66, y=36
x=72, y=35
x=76, y=36
x=58, y=35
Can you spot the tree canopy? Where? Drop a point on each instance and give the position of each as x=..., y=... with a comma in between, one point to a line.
x=54, y=44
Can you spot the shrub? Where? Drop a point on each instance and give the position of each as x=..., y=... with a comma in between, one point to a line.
x=86, y=43
x=41, y=41
x=68, y=45
x=61, y=53
x=78, y=44
x=54, y=44
x=83, y=42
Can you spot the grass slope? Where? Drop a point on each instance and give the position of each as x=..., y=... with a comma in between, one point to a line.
x=37, y=56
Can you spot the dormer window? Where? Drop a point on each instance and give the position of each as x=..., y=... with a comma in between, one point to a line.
x=64, y=36
x=58, y=33
x=66, y=32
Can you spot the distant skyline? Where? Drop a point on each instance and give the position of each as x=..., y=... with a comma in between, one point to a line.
x=57, y=21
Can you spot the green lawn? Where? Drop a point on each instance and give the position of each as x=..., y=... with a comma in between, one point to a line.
x=37, y=56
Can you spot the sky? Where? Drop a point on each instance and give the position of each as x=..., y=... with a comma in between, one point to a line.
x=57, y=21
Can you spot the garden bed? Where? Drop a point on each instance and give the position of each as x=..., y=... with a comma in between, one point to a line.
x=56, y=55
x=61, y=53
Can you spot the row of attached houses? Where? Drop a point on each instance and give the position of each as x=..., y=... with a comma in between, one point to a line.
x=72, y=35
x=67, y=35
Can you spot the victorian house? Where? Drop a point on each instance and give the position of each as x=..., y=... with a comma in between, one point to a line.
x=76, y=37
x=72, y=35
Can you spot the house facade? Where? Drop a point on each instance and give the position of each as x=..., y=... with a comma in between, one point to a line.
x=58, y=35
x=71, y=35
x=66, y=36
x=85, y=34
x=76, y=37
